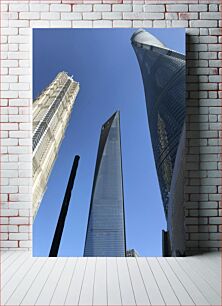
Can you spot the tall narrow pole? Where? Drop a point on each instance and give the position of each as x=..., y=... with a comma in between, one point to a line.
x=64, y=209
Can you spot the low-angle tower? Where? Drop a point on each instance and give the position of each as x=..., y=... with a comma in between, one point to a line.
x=51, y=113
x=163, y=73
x=105, y=234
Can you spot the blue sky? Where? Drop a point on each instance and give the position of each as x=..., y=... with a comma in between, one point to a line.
x=105, y=65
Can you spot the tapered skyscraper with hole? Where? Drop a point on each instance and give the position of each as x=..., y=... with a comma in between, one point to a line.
x=51, y=113
x=105, y=234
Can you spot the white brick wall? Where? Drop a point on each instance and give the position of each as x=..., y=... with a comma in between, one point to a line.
x=203, y=167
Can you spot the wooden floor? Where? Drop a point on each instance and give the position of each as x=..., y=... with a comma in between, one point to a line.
x=27, y=280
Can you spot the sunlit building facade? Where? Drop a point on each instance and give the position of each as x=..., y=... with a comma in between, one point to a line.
x=163, y=73
x=51, y=113
x=105, y=234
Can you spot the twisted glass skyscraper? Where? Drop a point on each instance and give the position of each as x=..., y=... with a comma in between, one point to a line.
x=105, y=234
x=163, y=73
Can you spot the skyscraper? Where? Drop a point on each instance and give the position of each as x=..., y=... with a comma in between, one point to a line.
x=51, y=112
x=105, y=234
x=163, y=72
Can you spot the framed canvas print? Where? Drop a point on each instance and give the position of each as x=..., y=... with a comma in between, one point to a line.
x=115, y=99
x=110, y=152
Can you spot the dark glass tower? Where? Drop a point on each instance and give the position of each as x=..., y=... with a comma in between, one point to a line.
x=163, y=73
x=105, y=234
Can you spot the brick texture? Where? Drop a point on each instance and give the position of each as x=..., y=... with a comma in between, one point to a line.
x=203, y=163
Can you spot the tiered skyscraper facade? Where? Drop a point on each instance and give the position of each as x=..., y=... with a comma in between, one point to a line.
x=51, y=113
x=106, y=223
